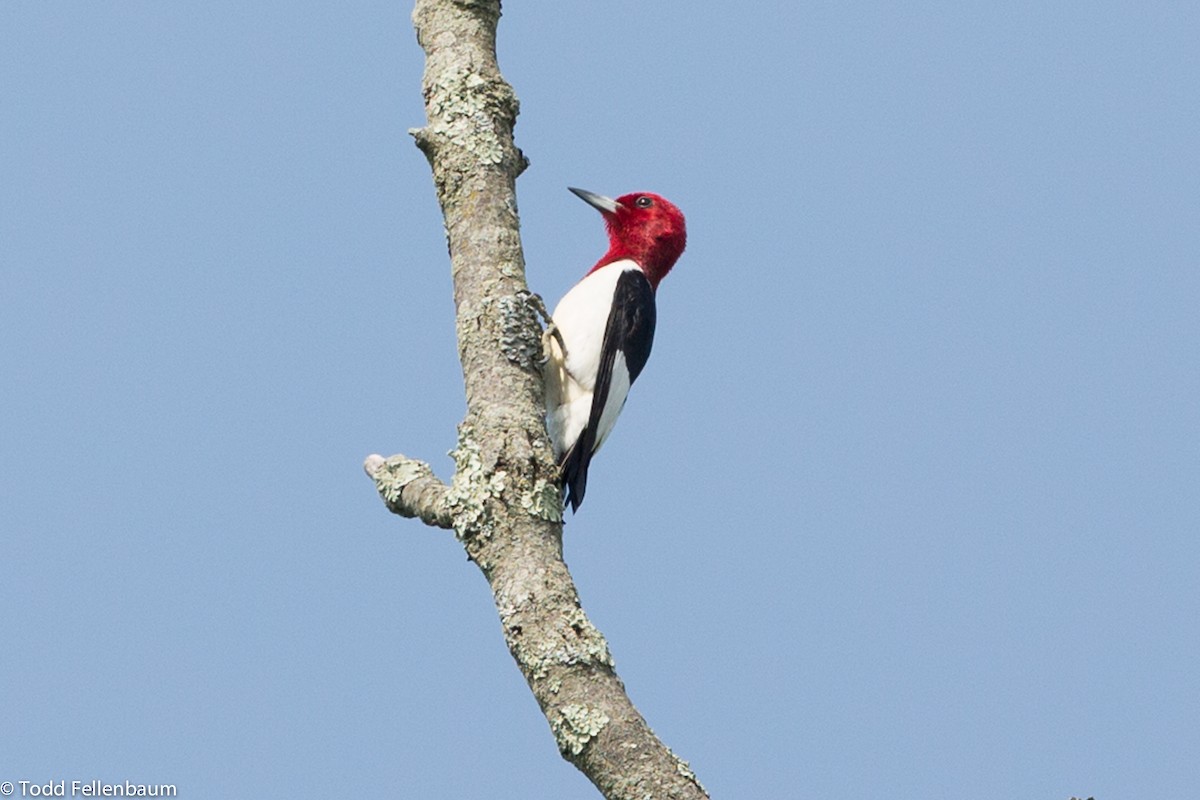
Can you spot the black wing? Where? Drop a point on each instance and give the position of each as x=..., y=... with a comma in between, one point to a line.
x=630, y=330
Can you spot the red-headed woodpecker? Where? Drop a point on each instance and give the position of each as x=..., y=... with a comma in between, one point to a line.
x=606, y=323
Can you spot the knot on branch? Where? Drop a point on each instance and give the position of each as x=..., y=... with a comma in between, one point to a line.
x=426, y=142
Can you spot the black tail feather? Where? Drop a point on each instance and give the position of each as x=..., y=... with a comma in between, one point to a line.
x=574, y=467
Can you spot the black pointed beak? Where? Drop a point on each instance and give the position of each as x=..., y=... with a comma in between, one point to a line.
x=605, y=205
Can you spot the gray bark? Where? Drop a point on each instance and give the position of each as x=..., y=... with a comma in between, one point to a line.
x=503, y=502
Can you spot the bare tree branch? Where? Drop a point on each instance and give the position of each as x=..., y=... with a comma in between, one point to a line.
x=504, y=502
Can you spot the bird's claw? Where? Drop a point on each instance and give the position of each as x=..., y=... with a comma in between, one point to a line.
x=552, y=331
x=539, y=305
x=536, y=302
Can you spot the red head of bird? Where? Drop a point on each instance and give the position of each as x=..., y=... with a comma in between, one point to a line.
x=643, y=227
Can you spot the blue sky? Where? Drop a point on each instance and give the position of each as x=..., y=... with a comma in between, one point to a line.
x=905, y=503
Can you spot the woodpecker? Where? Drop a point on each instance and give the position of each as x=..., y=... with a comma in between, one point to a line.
x=602, y=329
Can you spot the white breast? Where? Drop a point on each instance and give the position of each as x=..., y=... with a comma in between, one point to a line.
x=582, y=316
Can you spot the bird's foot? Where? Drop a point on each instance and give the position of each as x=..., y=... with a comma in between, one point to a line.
x=539, y=305
x=552, y=332
x=536, y=302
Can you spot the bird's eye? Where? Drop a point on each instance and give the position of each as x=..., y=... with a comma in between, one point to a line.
x=643, y=202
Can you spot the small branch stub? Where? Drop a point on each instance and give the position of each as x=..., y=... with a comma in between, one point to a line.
x=410, y=489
